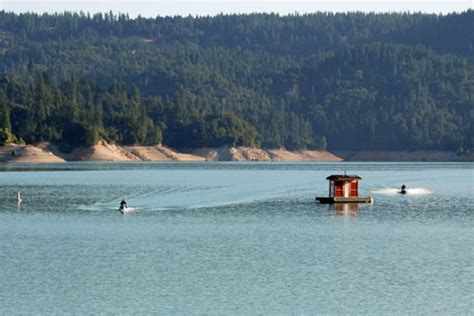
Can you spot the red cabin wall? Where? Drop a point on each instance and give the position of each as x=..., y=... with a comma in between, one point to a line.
x=338, y=188
x=354, y=189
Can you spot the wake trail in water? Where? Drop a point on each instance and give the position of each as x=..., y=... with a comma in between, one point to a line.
x=99, y=207
x=128, y=210
x=410, y=191
x=193, y=197
x=418, y=191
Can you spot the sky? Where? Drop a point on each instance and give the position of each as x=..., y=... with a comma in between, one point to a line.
x=152, y=8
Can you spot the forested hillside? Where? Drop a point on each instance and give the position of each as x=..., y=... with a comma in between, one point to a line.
x=341, y=81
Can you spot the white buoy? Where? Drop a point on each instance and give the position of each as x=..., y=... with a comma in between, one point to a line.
x=18, y=197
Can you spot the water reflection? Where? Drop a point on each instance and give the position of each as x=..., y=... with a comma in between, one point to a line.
x=345, y=209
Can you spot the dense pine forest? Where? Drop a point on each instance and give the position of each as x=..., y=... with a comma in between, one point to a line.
x=336, y=81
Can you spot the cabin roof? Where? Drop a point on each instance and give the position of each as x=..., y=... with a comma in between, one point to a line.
x=343, y=177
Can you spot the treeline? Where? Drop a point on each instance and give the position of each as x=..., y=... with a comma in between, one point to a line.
x=342, y=81
x=80, y=113
x=280, y=35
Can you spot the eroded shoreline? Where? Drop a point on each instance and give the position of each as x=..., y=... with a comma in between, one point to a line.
x=103, y=152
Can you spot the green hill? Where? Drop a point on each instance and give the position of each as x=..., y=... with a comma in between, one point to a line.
x=341, y=81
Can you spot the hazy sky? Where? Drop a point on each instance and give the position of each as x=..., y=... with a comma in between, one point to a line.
x=151, y=8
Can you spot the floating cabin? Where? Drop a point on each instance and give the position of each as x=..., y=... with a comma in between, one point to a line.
x=344, y=189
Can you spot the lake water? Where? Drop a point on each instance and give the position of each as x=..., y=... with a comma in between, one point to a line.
x=235, y=238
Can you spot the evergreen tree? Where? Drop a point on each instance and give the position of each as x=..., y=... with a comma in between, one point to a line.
x=341, y=81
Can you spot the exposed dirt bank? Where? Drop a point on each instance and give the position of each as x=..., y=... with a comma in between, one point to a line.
x=160, y=153
x=28, y=154
x=232, y=154
x=256, y=154
x=103, y=151
x=302, y=155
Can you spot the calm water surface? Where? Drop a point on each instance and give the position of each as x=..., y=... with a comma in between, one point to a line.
x=235, y=238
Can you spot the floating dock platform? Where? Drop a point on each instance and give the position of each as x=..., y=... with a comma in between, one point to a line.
x=341, y=199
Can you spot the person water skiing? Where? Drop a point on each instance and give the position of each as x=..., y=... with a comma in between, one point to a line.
x=404, y=189
x=123, y=204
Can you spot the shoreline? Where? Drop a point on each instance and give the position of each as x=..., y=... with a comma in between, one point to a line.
x=105, y=152
x=405, y=156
